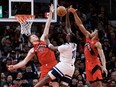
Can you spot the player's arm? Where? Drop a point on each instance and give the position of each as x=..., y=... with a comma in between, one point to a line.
x=52, y=47
x=79, y=22
x=102, y=56
x=24, y=62
x=47, y=25
x=67, y=25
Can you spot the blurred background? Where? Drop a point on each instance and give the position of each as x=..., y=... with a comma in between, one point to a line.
x=100, y=14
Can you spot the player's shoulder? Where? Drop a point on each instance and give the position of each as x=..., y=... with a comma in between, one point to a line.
x=65, y=45
x=98, y=44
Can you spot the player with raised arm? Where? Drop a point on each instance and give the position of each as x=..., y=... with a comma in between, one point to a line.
x=65, y=68
x=92, y=48
x=40, y=49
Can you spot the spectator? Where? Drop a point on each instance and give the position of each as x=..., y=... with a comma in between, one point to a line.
x=113, y=75
x=112, y=79
x=19, y=75
x=25, y=83
x=16, y=83
x=9, y=80
x=35, y=81
x=112, y=84
x=80, y=83
x=74, y=82
x=3, y=80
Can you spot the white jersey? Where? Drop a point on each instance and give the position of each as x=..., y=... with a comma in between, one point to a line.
x=68, y=52
x=65, y=68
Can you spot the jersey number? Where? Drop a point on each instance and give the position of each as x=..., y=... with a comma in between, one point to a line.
x=89, y=48
x=74, y=54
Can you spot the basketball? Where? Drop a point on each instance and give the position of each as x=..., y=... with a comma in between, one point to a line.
x=61, y=11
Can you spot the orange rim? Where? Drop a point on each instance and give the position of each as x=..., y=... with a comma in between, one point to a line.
x=23, y=18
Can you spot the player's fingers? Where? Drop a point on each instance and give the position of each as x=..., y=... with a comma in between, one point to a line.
x=51, y=8
x=106, y=73
x=52, y=5
x=102, y=71
x=76, y=9
x=10, y=67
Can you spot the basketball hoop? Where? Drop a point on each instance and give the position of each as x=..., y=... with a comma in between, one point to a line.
x=25, y=24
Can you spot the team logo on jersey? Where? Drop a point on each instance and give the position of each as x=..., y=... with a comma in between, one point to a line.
x=41, y=50
x=41, y=47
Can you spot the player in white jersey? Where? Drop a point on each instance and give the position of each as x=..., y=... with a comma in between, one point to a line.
x=65, y=68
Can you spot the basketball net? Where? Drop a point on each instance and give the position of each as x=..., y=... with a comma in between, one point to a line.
x=25, y=25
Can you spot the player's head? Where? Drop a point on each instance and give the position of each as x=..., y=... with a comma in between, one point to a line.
x=94, y=34
x=33, y=38
x=97, y=34
x=71, y=38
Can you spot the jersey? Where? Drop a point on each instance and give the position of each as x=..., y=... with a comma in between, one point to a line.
x=67, y=52
x=93, y=69
x=64, y=70
x=45, y=55
x=90, y=52
x=46, y=58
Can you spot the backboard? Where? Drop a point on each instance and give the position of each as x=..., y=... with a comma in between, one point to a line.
x=39, y=8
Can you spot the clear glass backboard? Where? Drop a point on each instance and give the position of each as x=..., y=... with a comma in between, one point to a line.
x=39, y=8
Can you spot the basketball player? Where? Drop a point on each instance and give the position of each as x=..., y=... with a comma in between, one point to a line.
x=91, y=50
x=40, y=49
x=65, y=68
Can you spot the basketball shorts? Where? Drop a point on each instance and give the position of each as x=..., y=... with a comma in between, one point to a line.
x=45, y=69
x=94, y=73
x=62, y=71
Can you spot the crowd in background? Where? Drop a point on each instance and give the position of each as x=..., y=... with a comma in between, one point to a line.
x=14, y=46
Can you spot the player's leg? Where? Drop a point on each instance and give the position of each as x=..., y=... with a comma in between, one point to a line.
x=42, y=82
x=65, y=81
x=62, y=72
x=42, y=75
x=55, y=84
x=64, y=85
x=53, y=74
x=99, y=84
x=93, y=84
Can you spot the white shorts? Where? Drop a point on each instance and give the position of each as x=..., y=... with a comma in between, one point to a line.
x=63, y=71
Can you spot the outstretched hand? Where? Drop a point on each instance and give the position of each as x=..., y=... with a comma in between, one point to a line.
x=51, y=8
x=72, y=10
x=104, y=70
x=11, y=67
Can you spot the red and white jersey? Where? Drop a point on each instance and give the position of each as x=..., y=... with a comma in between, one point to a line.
x=90, y=52
x=45, y=55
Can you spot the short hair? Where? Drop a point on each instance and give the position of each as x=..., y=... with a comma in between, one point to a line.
x=100, y=34
x=73, y=38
